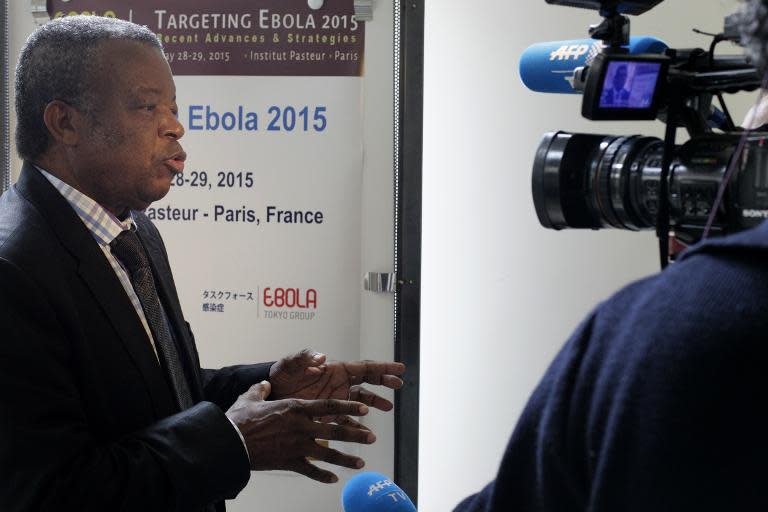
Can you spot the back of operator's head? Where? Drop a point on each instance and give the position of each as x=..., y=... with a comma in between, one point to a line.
x=58, y=62
x=754, y=30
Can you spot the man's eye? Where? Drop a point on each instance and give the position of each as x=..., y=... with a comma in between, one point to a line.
x=149, y=108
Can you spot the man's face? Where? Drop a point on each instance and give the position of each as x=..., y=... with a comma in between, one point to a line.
x=129, y=151
x=620, y=78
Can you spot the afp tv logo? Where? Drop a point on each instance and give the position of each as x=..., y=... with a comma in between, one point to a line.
x=289, y=303
x=575, y=52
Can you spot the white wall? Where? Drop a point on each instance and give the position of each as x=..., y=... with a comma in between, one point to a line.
x=500, y=294
x=377, y=222
x=20, y=25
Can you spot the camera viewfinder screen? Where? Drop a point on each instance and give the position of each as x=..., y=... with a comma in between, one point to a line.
x=630, y=84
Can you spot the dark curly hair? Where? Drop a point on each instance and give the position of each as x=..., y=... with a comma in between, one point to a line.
x=57, y=62
x=754, y=32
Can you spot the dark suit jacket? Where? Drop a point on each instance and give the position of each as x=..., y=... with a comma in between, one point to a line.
x=658, y=400
x=87, y=420
x=614, y=97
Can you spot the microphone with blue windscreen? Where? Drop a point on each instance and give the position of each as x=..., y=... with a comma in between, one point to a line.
x=549, y=67
x=374, y=492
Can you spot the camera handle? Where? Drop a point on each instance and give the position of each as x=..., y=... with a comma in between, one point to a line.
x=613, y=30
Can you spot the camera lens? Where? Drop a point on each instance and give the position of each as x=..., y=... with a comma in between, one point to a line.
x=588, y=181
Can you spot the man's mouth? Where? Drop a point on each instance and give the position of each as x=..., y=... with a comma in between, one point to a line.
x=176, y=162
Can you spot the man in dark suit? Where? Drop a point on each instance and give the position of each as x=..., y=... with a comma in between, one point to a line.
x=617, y=95
x=103, y=405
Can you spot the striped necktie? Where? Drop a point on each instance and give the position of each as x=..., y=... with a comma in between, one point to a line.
x=128, y=249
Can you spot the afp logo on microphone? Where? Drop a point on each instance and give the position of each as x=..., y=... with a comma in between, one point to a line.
x=374, y=492
x=380, y=486
x=576, y=51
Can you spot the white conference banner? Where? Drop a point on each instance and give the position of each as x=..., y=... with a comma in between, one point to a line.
x=264, y=226
x=263, y=229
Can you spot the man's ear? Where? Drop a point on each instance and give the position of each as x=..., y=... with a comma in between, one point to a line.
x=63, y=121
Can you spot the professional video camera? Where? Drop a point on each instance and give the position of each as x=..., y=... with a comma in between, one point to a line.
x=716, y=181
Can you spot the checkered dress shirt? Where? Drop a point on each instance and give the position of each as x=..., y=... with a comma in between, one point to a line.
x=104, y=227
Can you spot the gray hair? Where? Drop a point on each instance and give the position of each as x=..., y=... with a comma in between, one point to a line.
x=754, y=32
x=57, y=63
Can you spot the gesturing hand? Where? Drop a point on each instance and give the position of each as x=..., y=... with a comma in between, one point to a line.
x=281, y=434
x=306, y=375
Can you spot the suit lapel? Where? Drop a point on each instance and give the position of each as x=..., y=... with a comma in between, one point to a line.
x=97, y=274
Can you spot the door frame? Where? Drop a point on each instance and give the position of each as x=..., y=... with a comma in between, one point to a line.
x=409, y=93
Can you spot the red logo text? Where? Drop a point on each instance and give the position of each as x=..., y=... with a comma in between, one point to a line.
x=290, y=298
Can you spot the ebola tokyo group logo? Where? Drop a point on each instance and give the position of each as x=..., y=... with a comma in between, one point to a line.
x=289, y=303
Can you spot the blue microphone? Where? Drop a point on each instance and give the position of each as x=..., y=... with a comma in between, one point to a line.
x=549, y=67
x=374, y=492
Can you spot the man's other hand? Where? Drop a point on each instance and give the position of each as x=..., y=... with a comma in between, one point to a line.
x=306, y=375
x=281, y=434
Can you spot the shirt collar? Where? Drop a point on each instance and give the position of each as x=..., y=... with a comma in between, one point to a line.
x=101, y=223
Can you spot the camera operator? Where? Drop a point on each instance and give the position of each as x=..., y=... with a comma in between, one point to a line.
x=659, y=400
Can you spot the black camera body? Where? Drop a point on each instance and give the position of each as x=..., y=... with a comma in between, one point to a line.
x=635, y=7
x=588, y=181
x=716, y=182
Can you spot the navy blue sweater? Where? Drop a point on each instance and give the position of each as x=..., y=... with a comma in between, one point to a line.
x=658, y=401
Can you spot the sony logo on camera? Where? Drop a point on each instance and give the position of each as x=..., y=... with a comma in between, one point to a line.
x=755, y=214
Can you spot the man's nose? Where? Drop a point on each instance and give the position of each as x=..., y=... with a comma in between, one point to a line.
x=171, y=127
